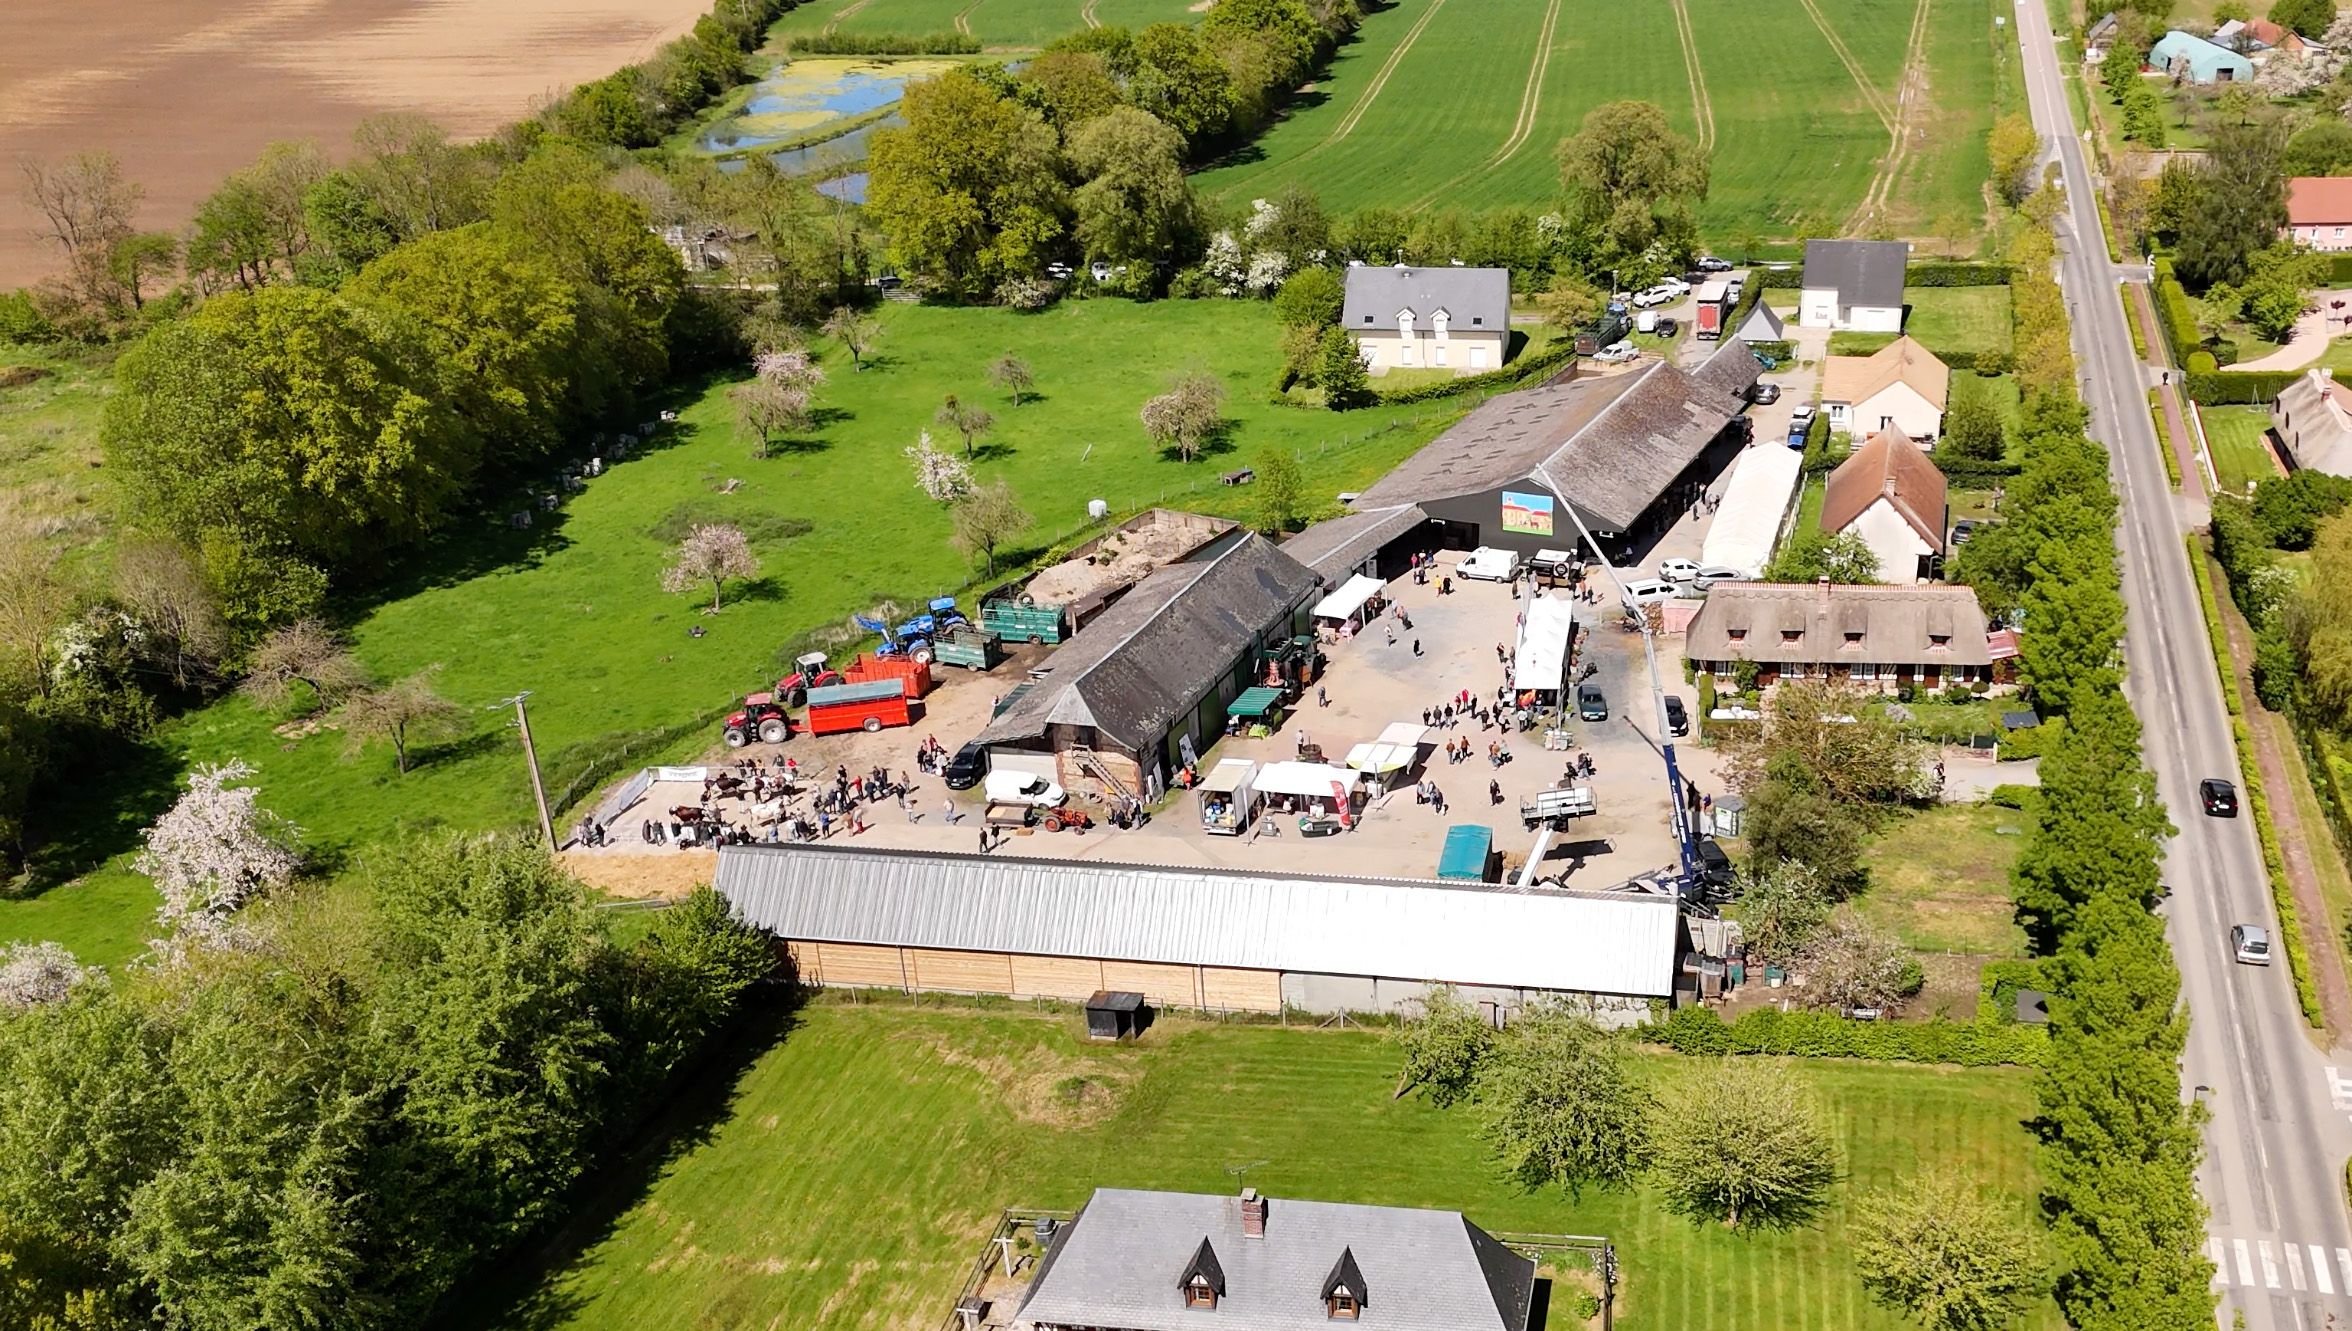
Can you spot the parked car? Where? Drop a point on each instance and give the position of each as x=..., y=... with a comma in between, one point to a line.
x=1708, y=263
x=1616, y=353
x=1677, y=716
x=1733, y=289
x=1802, y=414
x=1591, y=703
x=1965, y=528
x=1489, y=562
x=1713, y=574
x=1677, y=570
x=1762, y=393
x=1661, y=294
x=2250, y=944
x=1797, y=432
x=1647, y=591
x=1022, y=788
x=2219, y=797
x=1646, y=322
x=1668, y=327
x=1675, y=285
x=964, y=770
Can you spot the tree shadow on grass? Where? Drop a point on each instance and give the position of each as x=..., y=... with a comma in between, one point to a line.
x=103, y=798
x=518, y=1290
x=992, y=452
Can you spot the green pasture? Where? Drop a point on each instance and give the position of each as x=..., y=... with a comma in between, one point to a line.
x=572, y=609
x=847, y=1175
x=1940, y=877
x=1018, y=24
x=2240, y=454
x=53, y=483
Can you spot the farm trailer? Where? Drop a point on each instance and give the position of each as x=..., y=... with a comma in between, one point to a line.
x=867, y=705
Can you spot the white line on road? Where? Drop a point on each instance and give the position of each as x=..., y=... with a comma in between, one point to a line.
x=2319, y=1271
x=2246, y=1263
x=2344, y=1264
x=2269, y=1264
x=2294, y=1266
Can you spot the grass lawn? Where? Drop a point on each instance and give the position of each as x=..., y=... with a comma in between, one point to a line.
x=572, y=608
x=52, y=481
x=1809, y=503
x=1940, y=879
x=1958, y=319
x=2240, y=454
x=845, y=1178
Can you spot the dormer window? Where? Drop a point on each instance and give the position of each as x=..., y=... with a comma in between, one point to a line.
x=1853, y=637
x=1477, y=320
x=1342, y=1306
x=1203, y=1278
x=1438, y=322
x=1199, y=1294
x=1736, y=635
x=1939, y=640
x=1792, y=636
x=1343, y=1289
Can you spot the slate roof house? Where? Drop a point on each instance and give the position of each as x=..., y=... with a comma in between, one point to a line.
x=1900, y=386
x=1175, y=1261
x=1456, y=319
x=1629, y=451
x=2319, y=212
x=2313, y=418
x=2100, y=36
x=1156, y=668
x=1870, y=637
x=1854, y=285
x=2192, y=59
x=1894, y=498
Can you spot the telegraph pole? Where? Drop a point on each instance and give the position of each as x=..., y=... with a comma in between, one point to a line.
x=531, y=757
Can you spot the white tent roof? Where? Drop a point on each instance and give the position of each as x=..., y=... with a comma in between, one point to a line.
x=1762, y=483
x=1542, y=662
x=1229, y=775
x=1395, y=750
x=1315, y=779
x=1350, y=598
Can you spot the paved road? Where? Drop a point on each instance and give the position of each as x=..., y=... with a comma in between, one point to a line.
x=2279, y=1134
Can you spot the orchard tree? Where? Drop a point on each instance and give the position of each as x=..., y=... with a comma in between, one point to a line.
x=1187, y=415
x=1851, y=964
x=1010, y=373
x=1746, y=1143
x=1781, y=908
x=1561, y=1104
x=34, y=974
x=780, y=397
x=308, y=653
x=1445, y=1044
x=944, y=477
x=1947, y=1255
x=403, y=712
x=855, y=330
x=216, y=848
x=716, y=553
x=965, y=419
x=985, y=519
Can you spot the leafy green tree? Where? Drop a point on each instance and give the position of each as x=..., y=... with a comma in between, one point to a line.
x=1178, y=79
x=1746, y=1143
x=1781, y=908
x=2321, y=148
x=1445, y=1045
x=346, y=224
x=1135, y=205
x=1633, y=180
x=1375, y=236
x=969, y=190
x=2014, y=146
x=556, y=203
x=2291, y=508
x=1841, y=557
x=1943, y=1253
x=678, y=985
x=2097, y=822
x=1281, y=491
x=608, y=112
x=2310, y=18
x=1561, y=1105
x=1069, y=88
x=1569, y=303
x=416, y=177
x=1310, y=299
x=2119, y=70
x=2241, y=206
x=2143, y=116
x=1291, y=35
x=1973, y=430
x=1791, y=821
x=1339, y=369
x=2232, y=11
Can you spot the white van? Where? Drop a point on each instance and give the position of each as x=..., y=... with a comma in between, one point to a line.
x=1489, y=563
x=1647, y=591
x=1008, y=787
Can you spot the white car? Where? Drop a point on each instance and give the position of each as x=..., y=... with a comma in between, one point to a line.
x=1660, y=294
x=1714, y=574
x=1022, y=788
x=1675, y=285
x=1677, y=570
x=1616, y=353
x=1801, y=416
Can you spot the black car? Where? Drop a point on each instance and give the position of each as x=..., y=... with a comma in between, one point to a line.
x=1762, y=393
x=1668, y=327
x=1963, y=529
x=1715, y=869
x=965, y=769
x=1677, y=719
x=1591, y=703
x=2219, y=797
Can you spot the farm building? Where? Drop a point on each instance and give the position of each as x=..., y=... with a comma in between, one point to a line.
x=2257, y=37
x=1161, y=1261
x=2191, y=59
x=1900, y=386
x=1871, y=637
x=2313, y=418
x=1629, y=451
x=1455, y=319
x=2319, y=212
x=1854, y=285
x=1377, y=542
x=1197, y=938
x=1763, y=325
x=1152, y=673
x=1892, y=496
x=2098, y=37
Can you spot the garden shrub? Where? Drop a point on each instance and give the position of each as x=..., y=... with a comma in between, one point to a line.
x=1956, y=275
x=2031, y=742
x=2208, y=387
x=1702, y=1032
x=2009, y=795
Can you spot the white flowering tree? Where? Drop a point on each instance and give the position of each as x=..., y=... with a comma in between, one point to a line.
x=1225, y=263
x=714, y=553
x=215, y=849
x=32, y=974
x=943, y=476
x=781, y=396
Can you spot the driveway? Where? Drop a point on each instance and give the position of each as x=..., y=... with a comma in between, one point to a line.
x=2309, y=340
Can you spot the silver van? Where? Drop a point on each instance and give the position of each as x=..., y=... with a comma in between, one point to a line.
x=2250, y=944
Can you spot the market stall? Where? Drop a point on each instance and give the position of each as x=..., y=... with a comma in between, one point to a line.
x=1228, y=799
x=1324, y=797
x=1547, y=628
x=1256, y=710
x=1349, y=609
x=1388, y=759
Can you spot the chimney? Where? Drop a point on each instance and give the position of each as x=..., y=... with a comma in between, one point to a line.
x=1253, y=1214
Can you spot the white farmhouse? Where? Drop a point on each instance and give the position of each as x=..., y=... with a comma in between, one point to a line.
x=1854, y=285
x=1456, y=319
x=1901, y=386
x=1890, y=494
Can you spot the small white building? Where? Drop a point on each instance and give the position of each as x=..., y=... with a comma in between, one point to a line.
x=1456, y=319
x=1895, y=499
x=1854, y=285
x=1901, y=386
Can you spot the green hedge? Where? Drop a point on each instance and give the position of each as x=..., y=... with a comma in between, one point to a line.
x=2339, y=270
x=2174, y=314
x=1531, y=365
x=1969, y=474
x=1779, y=351
x=1956, y=275
x=2031, y=742
x=2238, y=387
x=1974, y=1044
x=1779, y=279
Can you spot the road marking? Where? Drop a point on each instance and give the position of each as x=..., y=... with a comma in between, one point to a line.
x=2344, y=1264
x=2269, y=1264
x=2294, y=1265
x=2319, y=1271
x=2245, y=1262
x=2339, y=1089
x=2213, y=1251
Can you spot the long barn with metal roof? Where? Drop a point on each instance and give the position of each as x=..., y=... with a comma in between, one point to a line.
x=1202, y=938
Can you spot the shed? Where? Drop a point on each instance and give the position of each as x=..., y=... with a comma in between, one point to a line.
x=1726, y=815
x=1468, y=854
x=2025, y=720
x=2033, y=1007
x=1115, y=1014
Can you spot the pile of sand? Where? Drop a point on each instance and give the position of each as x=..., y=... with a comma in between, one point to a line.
x=1123, y=558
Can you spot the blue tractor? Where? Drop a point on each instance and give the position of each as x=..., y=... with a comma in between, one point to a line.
x=912, y=639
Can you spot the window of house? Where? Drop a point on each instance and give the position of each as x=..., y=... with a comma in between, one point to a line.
x=1367, y=318
x=1440, y=358
x=1939, y=639
x=1853, y=637
x=1793, y=670
x=1479, y=320
x=1864, y=670
x=1792, y=635
x=1342, y=1306
x=1200, y=1294
x=1736, y=635
x=1478, y=358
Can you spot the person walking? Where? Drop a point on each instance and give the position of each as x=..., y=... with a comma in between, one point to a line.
x=948, y=810
x=1416, y=646
x=1321, y=699
x=1494, y=792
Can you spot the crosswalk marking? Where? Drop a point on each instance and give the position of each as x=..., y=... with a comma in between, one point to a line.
x=2319, y=1271
x=2294, y=1266
x=2245, y=1262
x=2344, y=1264
x=2256, y=1263
x=2269, y=1263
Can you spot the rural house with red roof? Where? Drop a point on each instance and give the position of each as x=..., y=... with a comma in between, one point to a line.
x=2319, y=212
x=1890, y=494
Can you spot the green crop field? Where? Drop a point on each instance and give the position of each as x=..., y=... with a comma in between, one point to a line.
x=1441, y=103
x=1011, y=24
x=847, y=1176
x=572, y=609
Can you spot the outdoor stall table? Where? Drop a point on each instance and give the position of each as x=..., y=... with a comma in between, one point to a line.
x=1260, y=707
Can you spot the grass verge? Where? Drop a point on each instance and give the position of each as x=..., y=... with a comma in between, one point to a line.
x=2164, y=448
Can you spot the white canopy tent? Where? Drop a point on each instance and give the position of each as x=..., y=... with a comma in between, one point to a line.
x=1348, y=602
x=1547, y=625
x=1762, y=484
x=1315, y=781
x=1397, y=749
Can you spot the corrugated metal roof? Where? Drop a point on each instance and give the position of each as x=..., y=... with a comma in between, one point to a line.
x=1605, y=943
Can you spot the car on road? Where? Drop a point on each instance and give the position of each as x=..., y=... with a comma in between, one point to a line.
x=964, y=770
x=1677, y=570
x=1616, y=353
x=2250, y=944
x=1763, y=394
x=1677, y=716
x=1022, y=788
x=2219, y=797
x=1591, y=703
x=1647, y=591
x=1798, y=431
x=1714, y=574
x=1708, y=263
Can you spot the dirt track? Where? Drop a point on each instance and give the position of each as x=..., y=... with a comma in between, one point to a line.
x=187, y=92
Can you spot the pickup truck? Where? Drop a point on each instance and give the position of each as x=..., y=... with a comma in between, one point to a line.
x=1555, y=807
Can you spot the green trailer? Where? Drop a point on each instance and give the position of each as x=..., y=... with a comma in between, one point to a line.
x=969, y=647
x=1468, y=856
x=1014, y=620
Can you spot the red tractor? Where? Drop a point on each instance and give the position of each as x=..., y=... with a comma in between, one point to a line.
x=762, y=718
x=811, y=672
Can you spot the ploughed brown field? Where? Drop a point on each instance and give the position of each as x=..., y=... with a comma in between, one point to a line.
x=188, y=91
